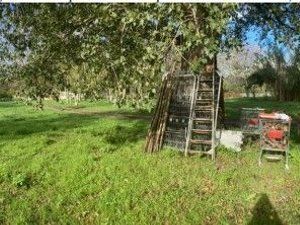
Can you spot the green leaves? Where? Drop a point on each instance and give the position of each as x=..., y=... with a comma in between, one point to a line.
x=117, y=42
x=280, y=19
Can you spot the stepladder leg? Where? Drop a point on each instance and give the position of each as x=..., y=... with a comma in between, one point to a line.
x=287, y=167
x=213, y=155
x=186, y=153
x=260, y=157
x=286, y=160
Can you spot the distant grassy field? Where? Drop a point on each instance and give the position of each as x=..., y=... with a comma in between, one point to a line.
x=233, y=106
x=85, y=165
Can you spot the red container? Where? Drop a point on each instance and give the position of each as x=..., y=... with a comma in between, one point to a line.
x=276, y=134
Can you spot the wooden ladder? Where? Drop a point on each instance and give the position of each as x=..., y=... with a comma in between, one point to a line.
x=201, y=132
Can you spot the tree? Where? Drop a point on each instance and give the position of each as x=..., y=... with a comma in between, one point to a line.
x=282, y=77
x=237, y=65
x=280, y=20
x=126, y=42
x=199, y=45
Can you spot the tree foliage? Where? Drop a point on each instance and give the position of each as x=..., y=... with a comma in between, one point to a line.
x=280, y=76
x=237, y=65
x=280, y=20
x=126, y=45
x=120, y=50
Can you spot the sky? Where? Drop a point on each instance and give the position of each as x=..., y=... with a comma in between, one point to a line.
x=252, y=38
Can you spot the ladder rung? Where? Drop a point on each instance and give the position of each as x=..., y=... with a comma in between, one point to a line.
x=205, y=90
x=204, y=114
x=209, y=152
x=204, y=107
x=198, y=131
x=207, y=99
x=202, y=119
x=205, y=142
x=203, y=110
x=273, y=157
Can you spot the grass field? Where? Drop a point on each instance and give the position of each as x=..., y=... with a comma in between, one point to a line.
x=75, y=165
x=233, y=106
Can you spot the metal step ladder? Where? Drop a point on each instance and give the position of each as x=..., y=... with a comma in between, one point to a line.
x=201, y=133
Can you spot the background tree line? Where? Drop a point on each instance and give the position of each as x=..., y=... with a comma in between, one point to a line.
x=252, y=71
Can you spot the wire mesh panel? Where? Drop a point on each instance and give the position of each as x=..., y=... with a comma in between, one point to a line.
x=179, y=112
x=274, y=136
x=250, y=120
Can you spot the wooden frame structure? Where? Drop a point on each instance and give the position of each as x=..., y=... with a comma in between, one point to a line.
x=192, y=114
x=179, y=111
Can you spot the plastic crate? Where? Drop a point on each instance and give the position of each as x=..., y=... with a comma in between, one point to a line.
x=250, y=121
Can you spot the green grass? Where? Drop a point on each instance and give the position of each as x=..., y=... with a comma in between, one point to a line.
x=85, y=165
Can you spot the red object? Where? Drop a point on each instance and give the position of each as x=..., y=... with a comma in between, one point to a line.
x=253, y=122
x=275, y=134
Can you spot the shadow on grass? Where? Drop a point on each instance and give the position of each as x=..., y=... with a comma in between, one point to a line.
x=10, y=104
x=116, y=114
x=264, y=213
x=30, y=125
x=121, y=134
x=15, y=128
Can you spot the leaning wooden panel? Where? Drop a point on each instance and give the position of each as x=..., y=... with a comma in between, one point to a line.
x=179, y=111
x=154, y=139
